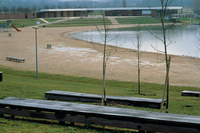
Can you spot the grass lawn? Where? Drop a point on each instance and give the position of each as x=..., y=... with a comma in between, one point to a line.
x=52, y=19
x=136, y=20
x=23, y=22
x=81, y=22
x=23, y=84
x=138, y=28
x=2, y=22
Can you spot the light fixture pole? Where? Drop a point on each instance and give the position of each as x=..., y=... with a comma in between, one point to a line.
x=35, y=27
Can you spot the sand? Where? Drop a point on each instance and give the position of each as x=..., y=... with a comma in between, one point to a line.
x=70, y=56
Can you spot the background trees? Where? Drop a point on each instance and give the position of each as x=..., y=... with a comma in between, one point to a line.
x=124, y=3
x=196, y=4
x=40, y=4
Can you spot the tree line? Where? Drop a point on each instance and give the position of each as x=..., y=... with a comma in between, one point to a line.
x=196, y=4
x=18, y=9
x=32, y=6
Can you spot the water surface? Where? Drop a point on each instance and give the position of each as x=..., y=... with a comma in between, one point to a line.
x=181, y=39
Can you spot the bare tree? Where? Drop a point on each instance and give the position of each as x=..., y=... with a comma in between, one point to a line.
x=138, y=45
x=107, y=52
x=163, y=13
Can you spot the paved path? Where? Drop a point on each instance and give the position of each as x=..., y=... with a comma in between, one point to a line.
x=54, y=22
x=44, y=20
x=113, y=20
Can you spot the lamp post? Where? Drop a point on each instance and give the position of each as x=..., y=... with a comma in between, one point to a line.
x=35, y=27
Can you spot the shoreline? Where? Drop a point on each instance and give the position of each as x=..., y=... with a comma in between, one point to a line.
x=80, y=58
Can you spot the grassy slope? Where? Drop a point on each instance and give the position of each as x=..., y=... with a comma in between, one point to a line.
x=52, y=19
x=25, y=22
x=98, y=21
x=136, y=20
x=81, y=22
x=23, y=84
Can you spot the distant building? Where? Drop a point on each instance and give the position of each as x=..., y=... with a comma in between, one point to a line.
x=6, y=16
x=49, y=13
x=134, y=11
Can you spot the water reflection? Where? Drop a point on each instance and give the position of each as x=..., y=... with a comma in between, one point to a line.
x=181, y=39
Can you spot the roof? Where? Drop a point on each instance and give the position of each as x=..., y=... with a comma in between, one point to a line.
x=109, y=9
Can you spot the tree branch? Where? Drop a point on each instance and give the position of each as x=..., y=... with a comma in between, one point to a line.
x=156, y=36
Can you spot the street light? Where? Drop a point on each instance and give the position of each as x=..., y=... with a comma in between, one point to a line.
x=35, y=27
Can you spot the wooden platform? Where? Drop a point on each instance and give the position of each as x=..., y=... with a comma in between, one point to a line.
x=191, y=93
x=15, y=59
x=84, y=97
x=99, y=115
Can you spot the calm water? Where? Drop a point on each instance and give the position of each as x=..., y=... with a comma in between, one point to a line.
x=181, y=39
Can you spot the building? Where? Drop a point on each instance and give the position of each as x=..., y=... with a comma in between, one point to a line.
x=6, y=16
x=49, y=13
x=134, y=11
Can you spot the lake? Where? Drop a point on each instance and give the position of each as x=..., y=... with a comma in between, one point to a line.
x=181, y=39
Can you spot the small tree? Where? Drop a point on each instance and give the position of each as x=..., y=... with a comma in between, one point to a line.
x=165, y=4
x=138, y=45
x=107, y=52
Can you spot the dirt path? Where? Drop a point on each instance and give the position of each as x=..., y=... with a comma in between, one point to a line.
x=79, y=58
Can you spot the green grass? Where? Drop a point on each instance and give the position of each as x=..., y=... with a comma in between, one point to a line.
x=90, y=21
x=23, y=84
x=2, y=22
x=81, y=22
x=136, y=28
x=136, y=20
x=23, y=22
x=52, y=19
x=185, y=19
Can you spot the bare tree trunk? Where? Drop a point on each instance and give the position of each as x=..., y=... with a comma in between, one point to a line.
x=104, y=85
x=138, y=47
x=104, y=65
x=167, y=106
x=107, y=52
x=138, y=81
x=165, y=4
x=104, y=80
x=166, y=86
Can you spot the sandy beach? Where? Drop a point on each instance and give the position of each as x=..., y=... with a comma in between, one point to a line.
x=70, y=56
